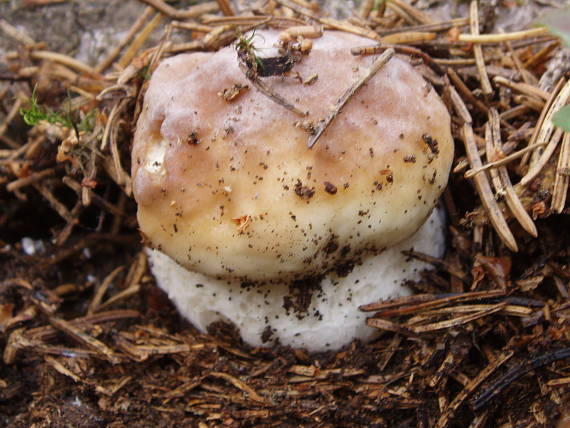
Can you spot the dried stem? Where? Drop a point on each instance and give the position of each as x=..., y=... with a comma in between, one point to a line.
x=478, y=50
x=191, y=12
x=374, y=68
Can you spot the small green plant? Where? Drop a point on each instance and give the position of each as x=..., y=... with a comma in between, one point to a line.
x=558, y=23
x=35, y=112
x=246, y=52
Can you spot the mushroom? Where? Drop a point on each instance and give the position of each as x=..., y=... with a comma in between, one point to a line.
x=250, y=226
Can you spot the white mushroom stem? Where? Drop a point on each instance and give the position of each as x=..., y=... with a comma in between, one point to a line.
x=332, y=319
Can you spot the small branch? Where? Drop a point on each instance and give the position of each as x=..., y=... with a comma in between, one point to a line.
x=65, y=60
x=265, y=90
x=505, y=37
x=30, y=179
x=191, y=12
x=16, y=33
x=515, y=373
x=78, y=335
x=437, y=26
x=376, y=66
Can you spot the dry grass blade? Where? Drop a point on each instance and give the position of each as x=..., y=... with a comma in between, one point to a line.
x=401, y=13
x=78, y=335
x=478, y=50
x=142, y=353
x=349, y=93
x=523, y=88
x=440, y=263
x=544, y=134
x=65, y=60
x=135, y=28
x=57, y=206
x=191, y=12
x=59, y=367
x=490, y=152
x=503, y=161
x=522, y=71
x=543, y=129
x=330, y=22
x=455, y=322
x=102, y=289
x=514, y=310
x=502, y=181
x=126, y=293
x=137, y=43
x=562, y=178
x=484, y=190
x=540, y=163
x=559, y=382
x=460, y=107
x=365, y=8
x=386, y=325
x=14, y=111
x=226, y=7
x=416, y=14
x=437, y=27
x=241, y=386
x=16, y=34
x=408, y=37
x=505, y=37
x=541, y=56
x=426, y=301
x=464, y=90
x=49, y=332
x=30, y=179
x=192, y=26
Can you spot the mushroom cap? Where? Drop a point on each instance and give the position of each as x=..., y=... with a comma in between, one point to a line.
x=230, y=189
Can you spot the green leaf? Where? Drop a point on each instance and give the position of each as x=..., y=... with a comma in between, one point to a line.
x=562, y=118
x=558, y=23
x=36, y=112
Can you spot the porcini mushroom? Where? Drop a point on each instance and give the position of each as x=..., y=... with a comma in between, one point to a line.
x=250, y=226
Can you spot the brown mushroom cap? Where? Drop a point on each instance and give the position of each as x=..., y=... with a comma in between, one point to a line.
x=229, y=188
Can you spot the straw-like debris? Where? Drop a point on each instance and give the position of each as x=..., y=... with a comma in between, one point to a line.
x=88, y=340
